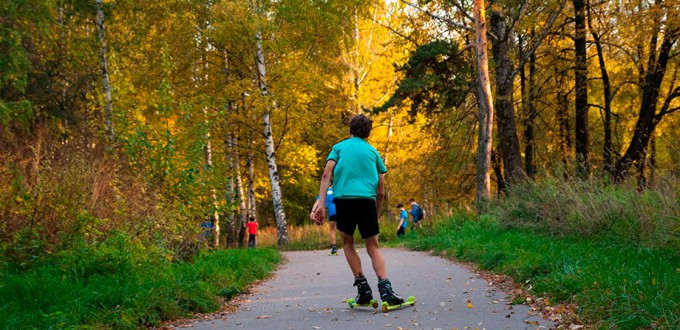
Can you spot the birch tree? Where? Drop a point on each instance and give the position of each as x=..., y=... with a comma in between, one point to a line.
x=270, y=149
x=104, y=65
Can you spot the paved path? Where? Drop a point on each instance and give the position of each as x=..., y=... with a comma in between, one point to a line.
x=307, y=292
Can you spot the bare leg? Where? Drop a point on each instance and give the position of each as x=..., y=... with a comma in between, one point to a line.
x=351, y=254
x=332, y=226
x=377, y=259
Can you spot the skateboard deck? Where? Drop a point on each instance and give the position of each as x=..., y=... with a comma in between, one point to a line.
x=352, y=303
x=410, y=301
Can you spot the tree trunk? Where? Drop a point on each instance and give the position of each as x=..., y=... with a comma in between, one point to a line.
x=652, y=162
x=388, y=186
x=208, y=154
x=501, y=186
x=243, y=210
x=277, y=197
x=581, y=89
x=231, y=199
x=647, y=117
x=234, y=190
x=251, y=207
x=505, y=111
x=564, y=123
x=103, y=63
x=355, y=65
x=528, y=95
x=606, y=86
x=485, y=137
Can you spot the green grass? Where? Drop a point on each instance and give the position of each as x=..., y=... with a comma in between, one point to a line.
x=616, y=284
x=121, y=284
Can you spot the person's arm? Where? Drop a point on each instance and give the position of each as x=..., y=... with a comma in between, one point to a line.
x=401, y=221
x=380, y=193
x=319, y=212
x=311, y=214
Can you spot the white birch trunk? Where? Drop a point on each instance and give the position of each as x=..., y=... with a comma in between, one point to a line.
x=250, y=198
x=235, y=185
x=239, y=190
x=251, y=207
x=239, y=181
x=103, y=63
x=277, y=197
x=208, y=155
x=484, y=141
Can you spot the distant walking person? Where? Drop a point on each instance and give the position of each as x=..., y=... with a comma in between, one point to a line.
x=252, y=231
x=359, y=188
x=403, y=221
x=417, y=213
x=330, y=207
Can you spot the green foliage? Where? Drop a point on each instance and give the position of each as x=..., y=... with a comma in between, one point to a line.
x=122, y=284
x=437, y=77
x=615, y=283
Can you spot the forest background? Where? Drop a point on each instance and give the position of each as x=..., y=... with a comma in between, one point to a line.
x=168, y=123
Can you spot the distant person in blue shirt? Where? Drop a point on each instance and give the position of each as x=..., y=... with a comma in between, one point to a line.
x=417, y=213
x=330, y=207
x=358, y=174
x=403, y=220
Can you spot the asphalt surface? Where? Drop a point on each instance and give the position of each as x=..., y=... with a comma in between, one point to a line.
x=308, y=290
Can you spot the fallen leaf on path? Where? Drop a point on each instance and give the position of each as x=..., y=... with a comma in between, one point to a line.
x=263, y=317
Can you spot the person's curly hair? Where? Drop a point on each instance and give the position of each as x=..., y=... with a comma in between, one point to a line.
x=360, y=126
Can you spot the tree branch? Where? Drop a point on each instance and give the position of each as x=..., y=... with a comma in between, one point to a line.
x=443, y=19
x=542, y=36
x=398, y=33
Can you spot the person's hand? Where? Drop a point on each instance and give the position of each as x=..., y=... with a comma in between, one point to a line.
x=318, y=215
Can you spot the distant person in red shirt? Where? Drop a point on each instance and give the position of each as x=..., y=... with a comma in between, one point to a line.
x=252, y=231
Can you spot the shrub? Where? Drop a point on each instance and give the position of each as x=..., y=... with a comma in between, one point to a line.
x=593, y=209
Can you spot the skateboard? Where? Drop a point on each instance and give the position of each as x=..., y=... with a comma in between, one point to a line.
x=352, y=303
x=332, y=254
x=410, y=301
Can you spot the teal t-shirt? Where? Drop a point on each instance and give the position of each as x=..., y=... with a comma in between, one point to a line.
x=357, y=165
x=404, y=216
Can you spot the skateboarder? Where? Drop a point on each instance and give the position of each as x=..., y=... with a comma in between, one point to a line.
x=358, y=181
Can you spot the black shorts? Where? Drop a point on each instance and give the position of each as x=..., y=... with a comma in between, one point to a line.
x=333, y=217
x=351, y=213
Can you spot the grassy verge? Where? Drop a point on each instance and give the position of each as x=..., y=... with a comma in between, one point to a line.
x=616, y=285
x=120, y=284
